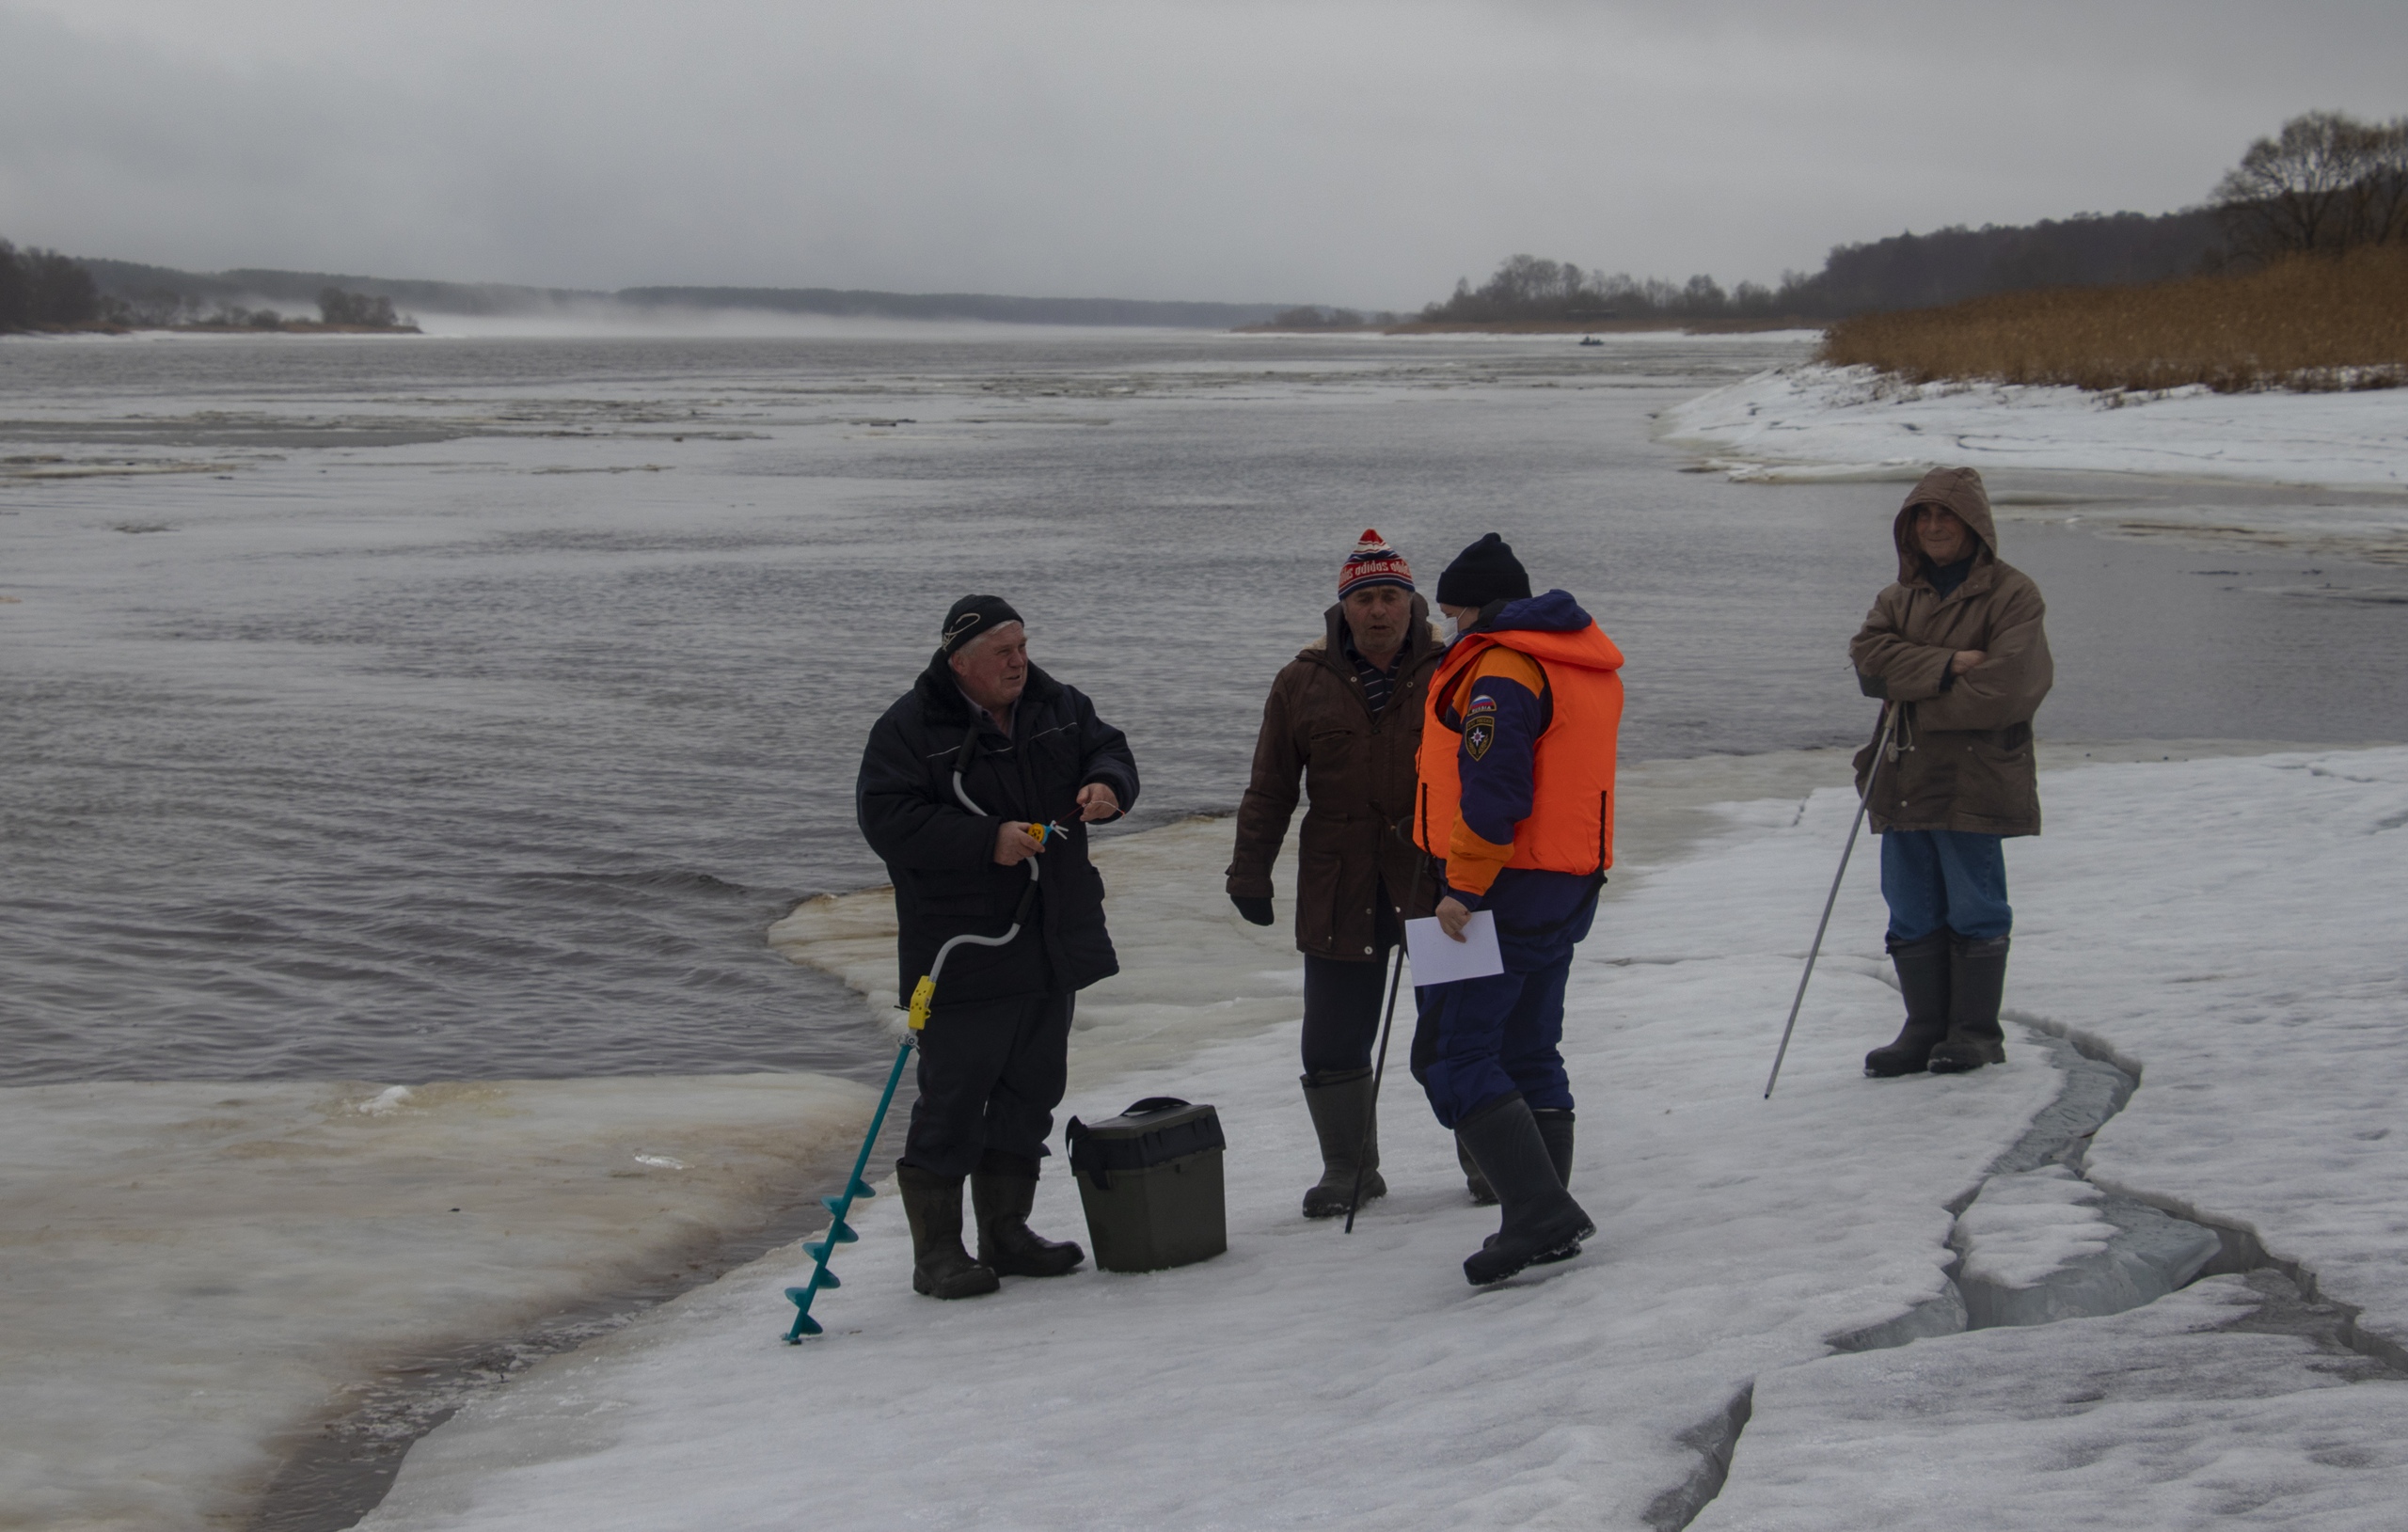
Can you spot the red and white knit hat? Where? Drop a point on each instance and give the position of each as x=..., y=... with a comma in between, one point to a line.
x=1373, y=563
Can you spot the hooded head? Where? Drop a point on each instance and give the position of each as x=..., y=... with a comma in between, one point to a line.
x=1955, y=489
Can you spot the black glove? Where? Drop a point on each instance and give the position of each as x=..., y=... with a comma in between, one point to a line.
x=1257, y=911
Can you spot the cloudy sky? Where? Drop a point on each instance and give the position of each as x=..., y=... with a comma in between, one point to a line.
x=1296, y=151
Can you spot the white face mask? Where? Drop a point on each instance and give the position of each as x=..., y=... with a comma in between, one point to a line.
x=1449, y=629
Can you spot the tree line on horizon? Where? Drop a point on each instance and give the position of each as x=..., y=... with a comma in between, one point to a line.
x=39, y=288
x=44, y=289
x=2326, y=182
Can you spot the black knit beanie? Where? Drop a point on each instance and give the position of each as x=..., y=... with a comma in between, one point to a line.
x=971, y=616
x=1484, y=571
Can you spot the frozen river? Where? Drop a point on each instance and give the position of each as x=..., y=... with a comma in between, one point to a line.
x=399, y=731
x=400, y=709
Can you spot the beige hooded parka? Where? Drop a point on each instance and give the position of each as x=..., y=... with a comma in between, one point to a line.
x=1962, y=756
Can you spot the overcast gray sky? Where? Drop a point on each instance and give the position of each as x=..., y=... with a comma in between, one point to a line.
x=1365, y=154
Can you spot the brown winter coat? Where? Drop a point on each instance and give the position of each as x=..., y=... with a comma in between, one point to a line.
x=1962, y=757
x=1358, y=772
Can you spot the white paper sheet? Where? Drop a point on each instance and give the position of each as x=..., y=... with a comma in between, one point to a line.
x=1439, y=958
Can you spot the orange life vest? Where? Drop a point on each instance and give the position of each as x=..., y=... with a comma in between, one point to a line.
x=1571, y=824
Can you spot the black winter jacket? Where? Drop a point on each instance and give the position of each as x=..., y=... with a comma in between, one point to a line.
x=942, y=856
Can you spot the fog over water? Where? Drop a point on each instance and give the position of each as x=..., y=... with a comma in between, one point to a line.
x=404, y=709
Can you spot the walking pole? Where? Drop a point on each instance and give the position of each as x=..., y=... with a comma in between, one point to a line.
x=1371, y=1119
x=1881, y=751
x=1388, y=1025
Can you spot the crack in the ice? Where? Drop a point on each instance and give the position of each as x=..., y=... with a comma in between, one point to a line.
x=2160, y=1245
x=1713, y=1439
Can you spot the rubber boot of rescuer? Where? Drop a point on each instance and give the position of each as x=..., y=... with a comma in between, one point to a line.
x=940, y=1267
x=1923, y=981
x=1555, y=1126
x=1540, y=1217
x=1345, y=1121
x=1473, y=1182
x=1978, y=981
x=1002, y=1192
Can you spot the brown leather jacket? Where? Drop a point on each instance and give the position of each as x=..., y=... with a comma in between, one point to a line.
x=1359, y=770
x=1962, y=757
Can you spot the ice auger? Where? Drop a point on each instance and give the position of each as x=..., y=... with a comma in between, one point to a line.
x=924, y=996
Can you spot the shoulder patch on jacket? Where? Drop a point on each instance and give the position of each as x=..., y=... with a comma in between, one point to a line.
x=1482, y=704
x=1479, y=733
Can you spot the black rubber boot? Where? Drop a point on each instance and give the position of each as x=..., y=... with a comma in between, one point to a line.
x=1555, y=1127
x=1978, y=981
x=940, y=1267
x=1922, y=981
x=1541, y=1219
x=1473, y=1182
x=1001, y=1193
x=1345, y=1121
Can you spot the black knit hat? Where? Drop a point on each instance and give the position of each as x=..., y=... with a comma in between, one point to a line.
x=971, y=616
x=1484, y=571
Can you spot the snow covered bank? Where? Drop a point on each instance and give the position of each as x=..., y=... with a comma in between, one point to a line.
x=191, y=1276
x=2226, y=923
x=1810, y=421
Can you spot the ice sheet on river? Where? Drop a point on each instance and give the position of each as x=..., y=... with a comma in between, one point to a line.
x=2228, y=925
x=194, y=1274
x=1810, y=421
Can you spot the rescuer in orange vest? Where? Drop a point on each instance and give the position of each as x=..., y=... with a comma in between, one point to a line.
x=1517, y=802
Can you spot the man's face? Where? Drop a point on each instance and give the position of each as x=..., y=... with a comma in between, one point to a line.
x=1942, y=534
x=1376, y=615
x=994, y=667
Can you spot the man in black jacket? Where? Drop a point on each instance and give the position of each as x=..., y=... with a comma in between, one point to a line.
x=983, y=745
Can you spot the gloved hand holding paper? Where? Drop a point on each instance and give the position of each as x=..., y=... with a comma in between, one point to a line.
x=1439, y=958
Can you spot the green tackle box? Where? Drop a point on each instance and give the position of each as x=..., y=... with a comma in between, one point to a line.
x=1151, y=1179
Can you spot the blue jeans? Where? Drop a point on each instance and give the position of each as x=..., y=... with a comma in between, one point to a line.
x=1944, y=877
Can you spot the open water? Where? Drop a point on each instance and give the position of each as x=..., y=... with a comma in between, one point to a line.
x=405, y=709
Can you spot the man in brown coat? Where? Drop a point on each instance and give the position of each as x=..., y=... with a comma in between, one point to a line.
x=1957, y=650
x=1346, y=715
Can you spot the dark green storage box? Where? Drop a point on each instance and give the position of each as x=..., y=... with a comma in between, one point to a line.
x=1151, y=1183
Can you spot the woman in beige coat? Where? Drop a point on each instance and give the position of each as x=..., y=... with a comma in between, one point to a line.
x=1957, y=650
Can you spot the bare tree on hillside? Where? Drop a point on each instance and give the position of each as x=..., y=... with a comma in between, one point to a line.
x=2326, y=181
x=16, y=298
x=42, y=287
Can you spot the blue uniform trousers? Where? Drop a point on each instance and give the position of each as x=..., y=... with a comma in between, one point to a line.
x=1477, y=1040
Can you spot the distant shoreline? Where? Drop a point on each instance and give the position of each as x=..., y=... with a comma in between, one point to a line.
x=1544, y=326
x=290, y=327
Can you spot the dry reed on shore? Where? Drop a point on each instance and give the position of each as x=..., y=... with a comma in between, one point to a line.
x=2311, y=323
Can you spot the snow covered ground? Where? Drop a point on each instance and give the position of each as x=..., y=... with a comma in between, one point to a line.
x=2229, y=926
x=1812, y=421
